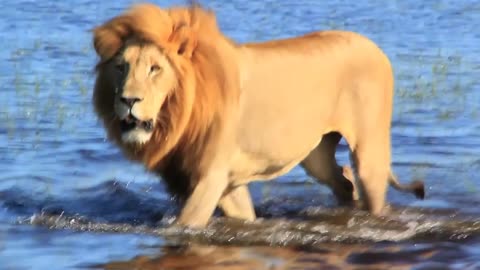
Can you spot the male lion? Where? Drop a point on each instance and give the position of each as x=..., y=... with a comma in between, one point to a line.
x=209, y=115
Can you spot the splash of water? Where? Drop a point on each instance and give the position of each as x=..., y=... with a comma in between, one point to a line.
x=318, y=226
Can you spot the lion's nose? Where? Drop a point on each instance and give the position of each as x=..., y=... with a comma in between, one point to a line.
x=130, y=101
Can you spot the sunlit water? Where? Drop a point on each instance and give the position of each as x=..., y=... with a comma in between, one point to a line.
x=69, y=200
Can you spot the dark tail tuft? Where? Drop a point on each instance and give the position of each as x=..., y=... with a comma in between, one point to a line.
x=418, y=188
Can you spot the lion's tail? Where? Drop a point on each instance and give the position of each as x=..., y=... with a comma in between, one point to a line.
x=416, y=187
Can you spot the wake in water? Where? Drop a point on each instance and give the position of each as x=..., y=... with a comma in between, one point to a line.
x=319, y=226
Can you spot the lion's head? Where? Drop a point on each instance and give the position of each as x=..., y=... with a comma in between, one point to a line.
x=161, y=79
x=142, y=78
x=141, y=52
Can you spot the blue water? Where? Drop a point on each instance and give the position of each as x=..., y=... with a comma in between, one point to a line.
x=54, y=157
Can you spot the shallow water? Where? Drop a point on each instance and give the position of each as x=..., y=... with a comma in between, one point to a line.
x=68, y=200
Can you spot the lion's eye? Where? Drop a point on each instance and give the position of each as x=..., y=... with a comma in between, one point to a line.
x=154, y=68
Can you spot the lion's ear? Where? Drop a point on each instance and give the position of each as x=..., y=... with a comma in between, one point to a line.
x=183, y=41
x=109, y=38
x=106, y=43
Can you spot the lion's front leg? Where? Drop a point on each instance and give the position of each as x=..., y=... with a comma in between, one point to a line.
x=237, y=203
x=201, y=204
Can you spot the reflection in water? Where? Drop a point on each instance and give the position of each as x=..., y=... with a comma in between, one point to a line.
x=330, y=256
x=217, y=257
x=210, y=257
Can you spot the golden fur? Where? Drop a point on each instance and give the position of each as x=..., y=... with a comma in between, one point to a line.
x=226, y=114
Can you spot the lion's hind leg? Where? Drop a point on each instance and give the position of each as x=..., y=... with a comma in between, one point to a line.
x=322, y=165
x=371, y=167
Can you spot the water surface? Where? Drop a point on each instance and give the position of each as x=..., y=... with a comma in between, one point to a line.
x=69, y=200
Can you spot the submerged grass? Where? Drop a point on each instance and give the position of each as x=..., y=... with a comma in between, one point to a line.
x=41, y=95
x=440, y=89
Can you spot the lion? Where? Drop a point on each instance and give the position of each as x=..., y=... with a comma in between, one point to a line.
x=210, y=115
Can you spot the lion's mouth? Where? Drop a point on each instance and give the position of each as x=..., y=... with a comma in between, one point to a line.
x=131, y=122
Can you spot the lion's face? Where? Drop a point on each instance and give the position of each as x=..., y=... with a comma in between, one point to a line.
x=143, y=78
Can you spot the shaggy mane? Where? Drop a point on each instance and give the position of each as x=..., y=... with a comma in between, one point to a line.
x=191, y=117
